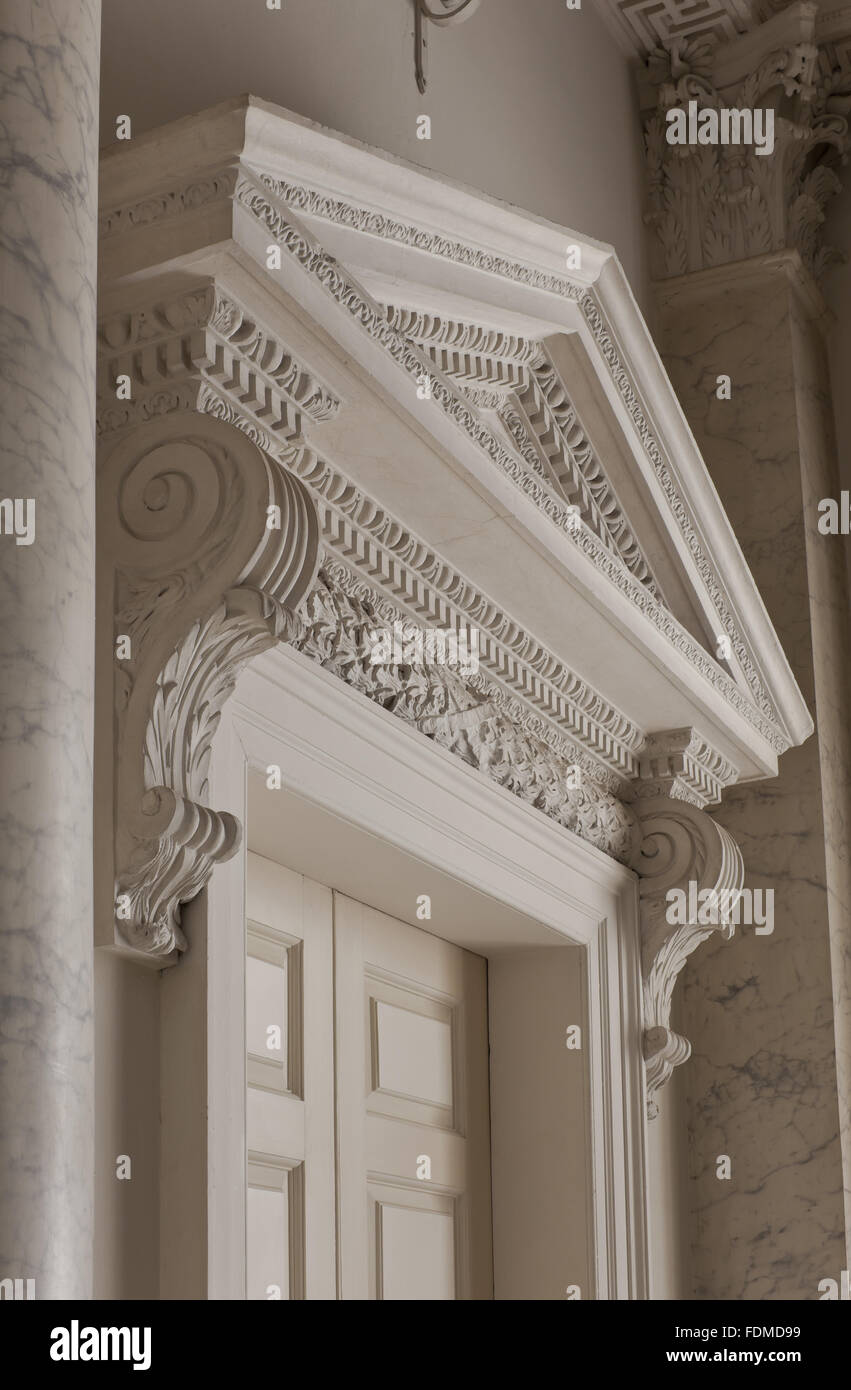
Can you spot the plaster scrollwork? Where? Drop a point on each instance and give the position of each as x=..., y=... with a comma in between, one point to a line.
x=211, y=547
x=680, y=846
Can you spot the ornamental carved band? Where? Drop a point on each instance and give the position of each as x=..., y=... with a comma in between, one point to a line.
x=210, y=548
x=681, y=845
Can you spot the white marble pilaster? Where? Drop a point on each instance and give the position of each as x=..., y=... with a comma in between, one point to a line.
x=770, y=1015
x=49, y=58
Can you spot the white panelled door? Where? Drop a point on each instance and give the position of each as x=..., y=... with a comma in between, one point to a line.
x=367, y=1102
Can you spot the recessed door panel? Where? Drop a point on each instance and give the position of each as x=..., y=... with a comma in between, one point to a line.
x=416, y=1246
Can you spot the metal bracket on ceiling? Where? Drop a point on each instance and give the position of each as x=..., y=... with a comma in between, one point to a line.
x=444, y=13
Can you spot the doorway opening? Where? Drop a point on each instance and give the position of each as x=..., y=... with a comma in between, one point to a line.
x=417, y=1098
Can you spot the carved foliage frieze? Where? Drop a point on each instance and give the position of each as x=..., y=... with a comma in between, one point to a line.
x=465, y=715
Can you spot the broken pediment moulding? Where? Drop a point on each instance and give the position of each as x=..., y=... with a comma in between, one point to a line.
x=535, y=408
x=538, y=414
x=546, y=400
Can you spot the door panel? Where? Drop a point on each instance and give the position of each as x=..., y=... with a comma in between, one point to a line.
x=405, y=1223
x=413, y=1168
x=290, y=1085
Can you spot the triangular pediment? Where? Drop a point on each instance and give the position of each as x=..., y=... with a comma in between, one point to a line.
x=489, y=432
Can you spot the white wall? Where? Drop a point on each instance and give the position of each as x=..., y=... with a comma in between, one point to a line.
x=530, y=102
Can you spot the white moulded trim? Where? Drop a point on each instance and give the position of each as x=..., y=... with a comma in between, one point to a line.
x=359, y=763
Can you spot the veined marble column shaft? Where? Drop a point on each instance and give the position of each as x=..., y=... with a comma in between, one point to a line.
x=49, y=58
x=769, y=1083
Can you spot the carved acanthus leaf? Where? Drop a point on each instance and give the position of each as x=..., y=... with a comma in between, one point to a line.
x=178, y=839
x=713, y=204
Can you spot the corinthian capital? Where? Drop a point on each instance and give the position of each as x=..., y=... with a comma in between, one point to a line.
x=726, y=194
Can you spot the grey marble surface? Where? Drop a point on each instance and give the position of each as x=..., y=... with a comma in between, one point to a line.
x=49, y=52
x=769, y=1016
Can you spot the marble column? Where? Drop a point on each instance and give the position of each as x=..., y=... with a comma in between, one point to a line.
x=49, y=59
x=769, y=1016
